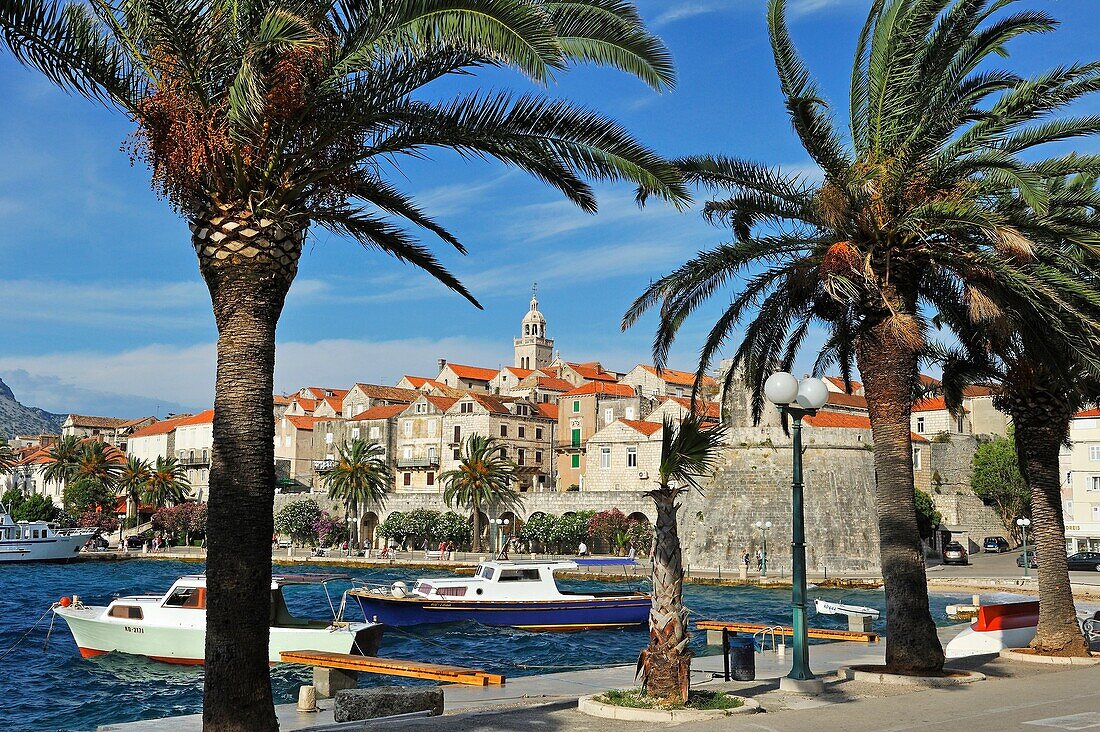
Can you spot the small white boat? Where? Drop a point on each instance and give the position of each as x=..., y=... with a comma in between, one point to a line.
x=997, y=627
x=835, y=608
x=172, y=627
x=39, y=541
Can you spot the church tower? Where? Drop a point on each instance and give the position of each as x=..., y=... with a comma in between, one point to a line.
x=533, y=349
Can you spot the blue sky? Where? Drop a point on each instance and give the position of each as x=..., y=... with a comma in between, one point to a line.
x=103, y=309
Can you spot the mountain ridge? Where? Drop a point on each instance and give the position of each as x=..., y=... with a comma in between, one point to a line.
x=16, y=418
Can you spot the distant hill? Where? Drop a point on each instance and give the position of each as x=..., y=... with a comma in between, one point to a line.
x=18, y=419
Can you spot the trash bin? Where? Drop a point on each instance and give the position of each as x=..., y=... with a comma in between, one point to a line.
x=742, y=658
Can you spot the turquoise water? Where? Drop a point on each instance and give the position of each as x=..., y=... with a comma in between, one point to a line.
x=55, y=689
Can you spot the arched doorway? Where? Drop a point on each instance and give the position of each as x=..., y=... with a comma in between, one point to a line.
x=515, y=523
x=639, y=516
x=641, y=533
x=369, y=529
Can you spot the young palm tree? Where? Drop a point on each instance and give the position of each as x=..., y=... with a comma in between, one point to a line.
x=7, y=457
x=484, y=479
x=260, y=120
x=64, y=457
x=132, y=481
x=906, y=220
x=688, y=452
x=360, y=477
x=167, y=484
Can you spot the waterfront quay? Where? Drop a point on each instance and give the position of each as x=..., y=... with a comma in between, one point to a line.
x=1045, y=695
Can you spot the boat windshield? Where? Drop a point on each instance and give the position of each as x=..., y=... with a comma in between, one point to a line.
x=519, y=575
x=486, y=573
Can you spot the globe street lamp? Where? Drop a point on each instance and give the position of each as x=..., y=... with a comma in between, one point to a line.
x=500, y=523
x=764, y=527
x=1023, y=523
x=796, y=400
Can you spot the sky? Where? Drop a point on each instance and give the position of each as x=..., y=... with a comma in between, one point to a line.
x=102, y=309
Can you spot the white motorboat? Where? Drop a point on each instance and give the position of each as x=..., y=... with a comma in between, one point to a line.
x=172, y=627
x=39, y=541
x=997, y=627
x=835, y=608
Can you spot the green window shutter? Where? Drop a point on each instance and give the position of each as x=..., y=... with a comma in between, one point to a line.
x=576, y=461
x=576, y=438
x=576, y=405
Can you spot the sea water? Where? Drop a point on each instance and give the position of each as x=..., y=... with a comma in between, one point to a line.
x=55, y=689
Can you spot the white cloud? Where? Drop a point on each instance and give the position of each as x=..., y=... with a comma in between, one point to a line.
x=672, y=12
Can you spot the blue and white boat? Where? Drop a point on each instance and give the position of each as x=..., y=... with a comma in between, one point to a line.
x=514, y=594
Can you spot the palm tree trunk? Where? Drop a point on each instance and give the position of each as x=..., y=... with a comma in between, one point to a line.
x=477, y=528
x=1041, y=422
x=248, y=266
x=888, y=369
x=666, y=662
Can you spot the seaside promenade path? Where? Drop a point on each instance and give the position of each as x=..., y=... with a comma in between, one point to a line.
x=1016, y=696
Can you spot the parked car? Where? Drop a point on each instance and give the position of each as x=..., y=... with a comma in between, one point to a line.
x=135, y=542
x=996, y=544
x=1033, y=560
x=1087, y=561
x=955, y=553
x=96, y=543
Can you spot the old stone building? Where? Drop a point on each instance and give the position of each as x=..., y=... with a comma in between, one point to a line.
x=111, y=430
x=624, y=456
x=581, y=413
x=650, y=382
x=533, y=350
x=362, y=397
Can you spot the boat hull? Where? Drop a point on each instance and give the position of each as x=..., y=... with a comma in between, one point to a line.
x=542, y=615
x=53, y=549
x=95, y=635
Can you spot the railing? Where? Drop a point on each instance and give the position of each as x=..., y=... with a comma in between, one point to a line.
x=417, y=462
x=569, y=445
x=198, y=459
x=322, y=465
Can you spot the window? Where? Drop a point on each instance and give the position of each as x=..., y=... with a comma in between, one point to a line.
x=457, y=434
x=431, y=478
x=193, y=598
x=407, y=479
x=631, y=457
x=608, y=416
x=126, y=611
x=431, y=456
x=920, y=425
x=538, y=457
x=519, y=575
x=355, y=433
x=538, y=433
x=431, y=427
x=421, y=408
x=576, y=406
x=1096, y=513
x=575, y=438
x=504, y=430
x=328, y=438
x=1069, y=509
x=520, y=455
x=916, y=458
x=504, y=452
x=630, y=412
x=375, y=432
x=605, y=457
x=575, y=461
x=1094, y=453
x=466, y=408
x=521, y=431
x=1094, y=483
x=408, y=428
x=408, y=453
x=960, y=423
x=680, y=392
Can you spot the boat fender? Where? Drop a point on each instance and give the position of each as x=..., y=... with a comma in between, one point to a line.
x=399, y=589
x=65, y=602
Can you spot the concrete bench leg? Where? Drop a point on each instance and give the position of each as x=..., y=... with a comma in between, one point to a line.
x=328, y=681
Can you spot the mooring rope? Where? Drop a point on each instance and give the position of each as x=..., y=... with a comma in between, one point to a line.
x=28, y=632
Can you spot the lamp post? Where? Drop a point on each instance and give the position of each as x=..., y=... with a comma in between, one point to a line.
x=764, y=527
x=796, y=400
x=1023, y=523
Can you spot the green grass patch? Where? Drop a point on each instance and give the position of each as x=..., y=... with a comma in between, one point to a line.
x=698, y=700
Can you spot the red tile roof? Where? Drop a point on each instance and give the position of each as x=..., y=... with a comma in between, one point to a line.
x=382, y=411
x=601, y=387
x=838, y=382
x=302, y=423
x=518, y=372
x=1094, y=412
x=471, y=373
x=206, y=417
x=493, y=404
x=320, y=392
x=80, y=420
x=307, y=405
x=441, y=403
x=847, y=400
x=551, y=383
x=646, y=428
x=547, y=409
x=416, y=381
x=388, y=393
x=977, y=390
x=282, y=399
x=593, y=371
x=680, y=378
x=849, y=421
x=162, y=427
x=932, y=404
x=713, y=410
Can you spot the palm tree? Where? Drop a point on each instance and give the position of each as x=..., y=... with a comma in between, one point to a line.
x=7, y=457
x=259, y=120
x=484, y=479
x=688, y=452
x=167, y=484
x=132, y=481
x=906, y=220
x=64, y=457
x=361, y=476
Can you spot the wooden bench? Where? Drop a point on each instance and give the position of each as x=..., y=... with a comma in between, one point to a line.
x=344, y=668
x=822, y=633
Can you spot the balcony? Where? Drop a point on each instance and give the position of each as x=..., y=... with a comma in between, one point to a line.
x=418, y=462
x=569, y=446
x=189, y=460
x=321, y=466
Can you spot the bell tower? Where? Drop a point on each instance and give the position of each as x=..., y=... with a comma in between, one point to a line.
x=533, y=349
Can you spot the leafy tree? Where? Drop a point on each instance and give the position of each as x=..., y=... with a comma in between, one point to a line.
x=12, y=499
x=396, y=527
x=570, y=529
x=296, y=520
x=917, y=210
x=538, y=532
x=167, y=484
x=641, y=536
x=260, y=121
x=688, y=452
x=330, y=531
x=83, y=496
x=360, y=477
x=928, y=518
x=995, y=478
x=420, y=525
x=483, y=480
x=452, y=527
x=105, y=522
x=37, y=507
x=611, y=526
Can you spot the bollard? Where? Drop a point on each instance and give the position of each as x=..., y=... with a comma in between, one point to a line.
x=290, y=551
x=976, y=600
x=307, y=698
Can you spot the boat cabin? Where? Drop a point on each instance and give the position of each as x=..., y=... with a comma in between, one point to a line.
x=500, y=581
